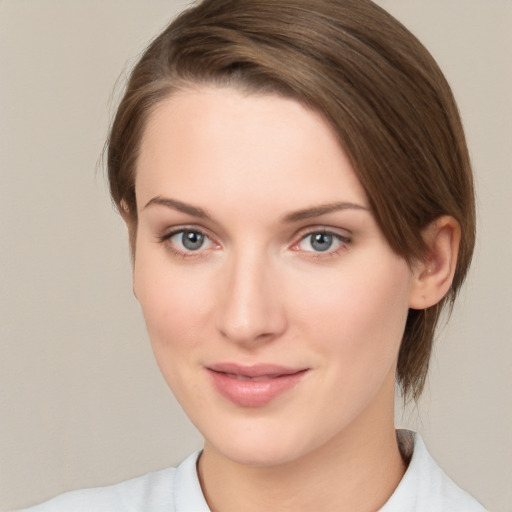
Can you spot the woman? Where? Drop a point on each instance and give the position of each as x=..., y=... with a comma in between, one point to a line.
x=299, y=201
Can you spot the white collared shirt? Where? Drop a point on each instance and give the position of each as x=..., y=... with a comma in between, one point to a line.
x=424, y=488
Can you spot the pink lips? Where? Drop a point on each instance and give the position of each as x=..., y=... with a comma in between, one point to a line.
x=253, y=386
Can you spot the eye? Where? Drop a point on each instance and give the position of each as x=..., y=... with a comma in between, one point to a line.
x=322, y=242
x=187, y=241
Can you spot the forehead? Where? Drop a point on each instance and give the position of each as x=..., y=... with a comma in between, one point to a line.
x=203, y=141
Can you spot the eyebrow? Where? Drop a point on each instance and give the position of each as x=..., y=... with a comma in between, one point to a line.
x=323, y=209
x=296, y=216
x=195, y=211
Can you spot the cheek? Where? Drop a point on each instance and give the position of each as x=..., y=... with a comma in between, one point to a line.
x=173, y=301
x=173, y=305
x=358, y=316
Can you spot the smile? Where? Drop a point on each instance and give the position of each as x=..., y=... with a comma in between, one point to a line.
x=253, y=386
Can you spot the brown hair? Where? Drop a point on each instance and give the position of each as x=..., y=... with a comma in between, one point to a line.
x=371, y=79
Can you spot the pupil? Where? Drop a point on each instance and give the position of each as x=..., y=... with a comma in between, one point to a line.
x=321, y=242
x=192, y=240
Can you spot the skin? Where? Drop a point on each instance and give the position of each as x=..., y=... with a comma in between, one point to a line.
x=259, y=291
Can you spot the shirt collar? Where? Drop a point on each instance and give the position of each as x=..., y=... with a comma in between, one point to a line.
x=187, y=491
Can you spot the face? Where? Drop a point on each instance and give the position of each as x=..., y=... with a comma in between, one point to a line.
x=274, y=305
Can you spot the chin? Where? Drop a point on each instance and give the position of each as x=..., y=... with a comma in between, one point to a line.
x=265, y=444
x=260, y=455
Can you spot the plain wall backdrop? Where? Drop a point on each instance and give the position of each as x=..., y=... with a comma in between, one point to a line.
x=82, y=402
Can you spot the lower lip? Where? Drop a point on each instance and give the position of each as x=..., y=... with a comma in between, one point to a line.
x=254, y=393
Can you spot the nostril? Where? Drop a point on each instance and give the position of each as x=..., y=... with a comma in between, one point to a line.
x=261, y=328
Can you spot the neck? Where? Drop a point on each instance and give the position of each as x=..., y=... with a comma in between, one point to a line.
x=356, y=471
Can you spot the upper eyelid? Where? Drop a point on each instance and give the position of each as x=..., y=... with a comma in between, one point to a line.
x=163, y=221
x=170, y=232
x=341, y=238
x=216, y=235
x=329, y=230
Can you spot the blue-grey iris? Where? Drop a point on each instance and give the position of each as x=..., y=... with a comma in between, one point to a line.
x=321, y=241
x=192, y=240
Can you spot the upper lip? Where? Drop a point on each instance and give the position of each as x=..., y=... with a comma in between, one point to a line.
x=254, y=370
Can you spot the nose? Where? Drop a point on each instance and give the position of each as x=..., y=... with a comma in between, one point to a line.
x=252, y=307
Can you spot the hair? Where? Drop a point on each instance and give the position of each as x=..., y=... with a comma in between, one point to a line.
x=374, y=83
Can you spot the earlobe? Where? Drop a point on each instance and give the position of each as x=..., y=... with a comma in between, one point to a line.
x=433, y=275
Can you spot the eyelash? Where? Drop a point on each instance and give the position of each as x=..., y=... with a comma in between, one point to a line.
x=344, y=242
x=166, y=237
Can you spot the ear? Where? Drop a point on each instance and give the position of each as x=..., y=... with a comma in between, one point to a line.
x=433, y=275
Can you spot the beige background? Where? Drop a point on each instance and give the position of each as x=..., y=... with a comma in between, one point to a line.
x=81, y=400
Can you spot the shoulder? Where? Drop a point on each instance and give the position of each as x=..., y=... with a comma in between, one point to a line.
x=148, y=492
x=425, y=486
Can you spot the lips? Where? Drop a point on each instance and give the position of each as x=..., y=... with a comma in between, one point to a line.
x=255, y=385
